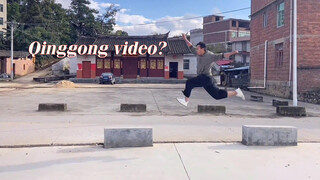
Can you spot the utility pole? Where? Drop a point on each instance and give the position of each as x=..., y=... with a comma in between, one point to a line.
x=11, y=52
x=12, y=23
x=295, y=56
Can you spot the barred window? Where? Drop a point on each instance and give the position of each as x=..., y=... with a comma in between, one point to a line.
x=279, y=54
x=99, y=63
x=107, y=64
x=153, y=64
x=160, y=64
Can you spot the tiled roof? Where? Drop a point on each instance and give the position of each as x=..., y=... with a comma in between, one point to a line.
x=85, y=40
x=16, y=54
x=175, y=45
x=178, y=46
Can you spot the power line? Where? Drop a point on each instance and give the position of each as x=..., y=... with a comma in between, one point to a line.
x=180, y=19
x=143, y=24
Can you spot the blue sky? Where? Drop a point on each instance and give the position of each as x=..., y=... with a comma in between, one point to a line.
x=153, y=11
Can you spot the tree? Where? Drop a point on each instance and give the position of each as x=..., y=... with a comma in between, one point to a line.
x=106, y=21
x=121, y=33
x=82, y=18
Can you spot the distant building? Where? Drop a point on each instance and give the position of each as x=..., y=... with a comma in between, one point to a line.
x=227, y=35
x=22, y=63
x=271, y=41
x=3, y=17
x=168, y=65
x=190, y=60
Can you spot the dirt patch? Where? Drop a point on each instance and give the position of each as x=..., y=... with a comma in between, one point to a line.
x=65, y=84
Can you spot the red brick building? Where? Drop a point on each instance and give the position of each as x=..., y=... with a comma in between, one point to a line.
x=271, y=40
x=227, y=35
x=168, y=65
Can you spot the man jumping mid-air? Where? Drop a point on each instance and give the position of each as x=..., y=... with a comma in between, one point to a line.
x=206, y=61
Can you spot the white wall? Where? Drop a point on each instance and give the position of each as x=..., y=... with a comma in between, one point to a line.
x=174, y=58
x=86, y=58
x=196, y=35
x=192, y=66
x=73, y=65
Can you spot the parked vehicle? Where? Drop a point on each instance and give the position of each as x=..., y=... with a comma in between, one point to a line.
x=107, y=78
x=235, y=77
x=4, y=75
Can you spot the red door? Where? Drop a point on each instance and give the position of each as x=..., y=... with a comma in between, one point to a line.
x=86, y=69
x=130, y=67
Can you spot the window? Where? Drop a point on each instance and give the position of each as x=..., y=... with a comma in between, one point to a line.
x=116, y=64
x=1, y=21
x=143, y=64
x=280, y=14
x=153, y=64
x=234, y=23
x=244, y=59
x=279, y=55
x=244, y=46
x=234, y=34
x=244, y=34
x=99, y=63
x=107, y=64
x=160, y=64
x=1, y=7
x=1, y=34
x=186, y=64
x=24, y=67
x=265, y=19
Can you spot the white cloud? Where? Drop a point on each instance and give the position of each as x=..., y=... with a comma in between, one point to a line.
x=176, y=25
x=216, y=11
x=130, y=22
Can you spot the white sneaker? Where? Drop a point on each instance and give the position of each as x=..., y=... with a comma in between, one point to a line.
x=182, y=101
x=240, y=94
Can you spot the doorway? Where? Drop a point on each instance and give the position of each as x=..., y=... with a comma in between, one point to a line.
x=173, y=69
x=130, y=67
x=86, y=69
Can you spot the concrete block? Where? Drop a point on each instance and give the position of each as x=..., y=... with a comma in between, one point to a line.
x=52, y=107
x=211, y=109
x=276, y=103
x=256, y=98
x=133, y=107
x=257, y=135
x=291, y=111
x=128, y=137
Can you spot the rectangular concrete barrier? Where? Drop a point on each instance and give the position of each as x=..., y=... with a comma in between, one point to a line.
x=52, y=107
x=133, y=107
x=211, y=109
x=128, y=137
x=291, y=111
x=256, y=98
x=276, y=103
x=257, y=135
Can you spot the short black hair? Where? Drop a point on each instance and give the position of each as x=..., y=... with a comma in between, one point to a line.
x=202, y=45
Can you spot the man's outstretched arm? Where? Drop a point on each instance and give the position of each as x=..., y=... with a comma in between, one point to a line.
x=189, y=44
x=227, y=55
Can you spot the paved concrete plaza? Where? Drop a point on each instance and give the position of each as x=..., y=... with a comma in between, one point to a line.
x=205, y=161
x=187, y=145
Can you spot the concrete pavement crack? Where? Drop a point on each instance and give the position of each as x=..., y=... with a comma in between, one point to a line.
x=156, y=102
x=184, y=167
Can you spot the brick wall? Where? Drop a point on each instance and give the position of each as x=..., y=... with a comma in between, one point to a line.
x=308, y=46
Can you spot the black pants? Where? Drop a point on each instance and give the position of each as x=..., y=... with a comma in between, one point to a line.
x=207, y=83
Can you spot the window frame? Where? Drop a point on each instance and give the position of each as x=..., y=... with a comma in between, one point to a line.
x=265, y=19
x=184, y=64
x=279, y=54
x=282, y=14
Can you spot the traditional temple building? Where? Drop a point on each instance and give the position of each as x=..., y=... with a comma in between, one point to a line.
x=168, y=65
